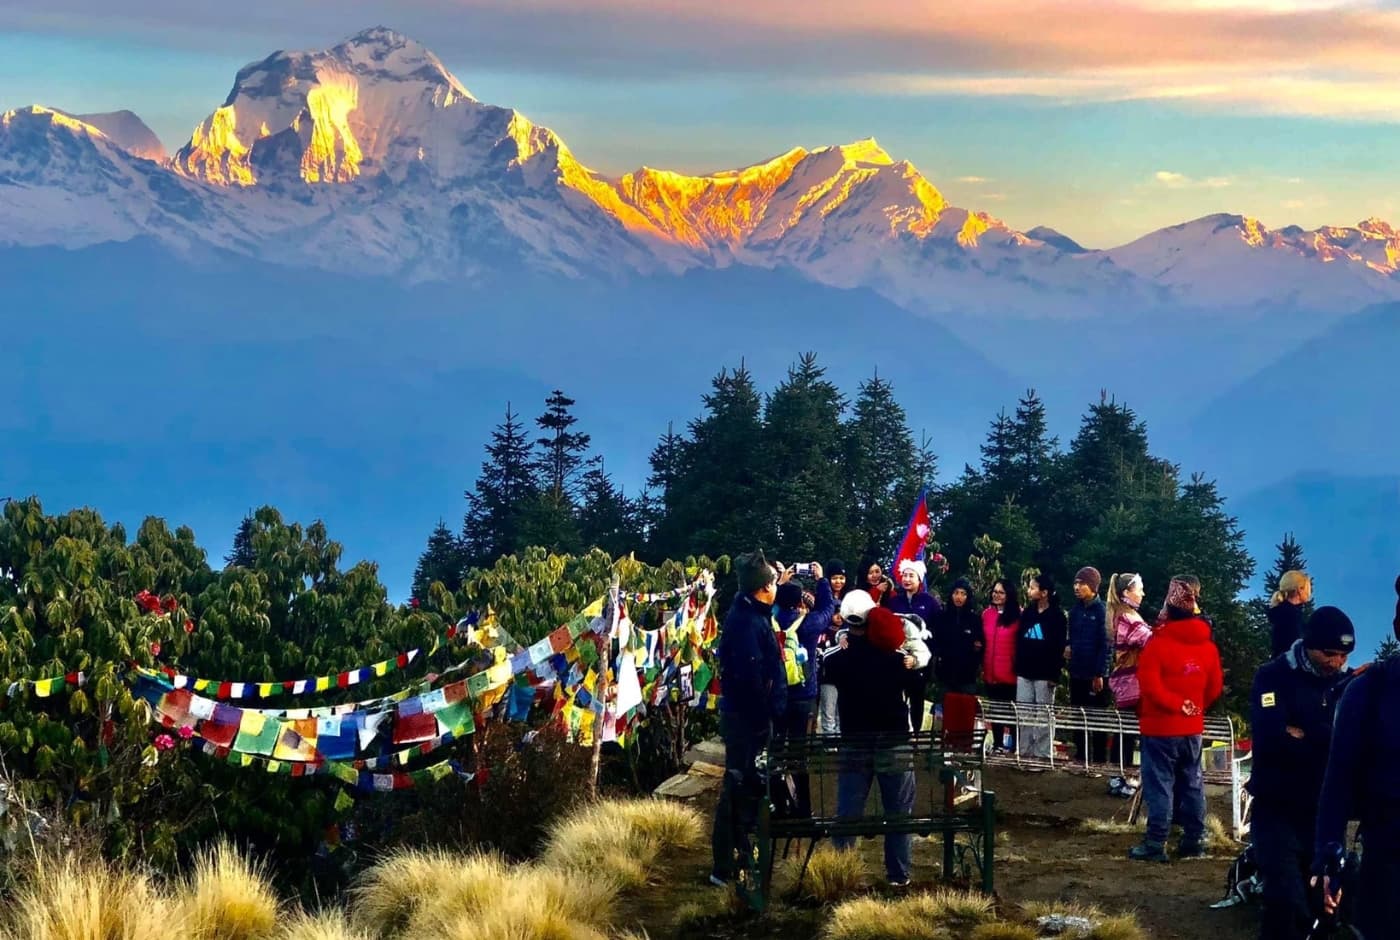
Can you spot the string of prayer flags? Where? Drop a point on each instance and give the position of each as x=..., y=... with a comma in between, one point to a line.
x=44, y=688
x=342, y=680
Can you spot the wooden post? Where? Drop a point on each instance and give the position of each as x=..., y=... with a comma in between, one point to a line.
x=604, y=641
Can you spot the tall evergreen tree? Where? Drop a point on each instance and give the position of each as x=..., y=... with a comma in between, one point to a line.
x=1033, y=452
x=1289, y=558
x=504, y=490
x=802, y=462
x=242, y=554
x=656, y=507
x=607, y=519
x=883, y=467
x=559, y=450
x=444, y=560
x=721, y=504
x=1387, y=649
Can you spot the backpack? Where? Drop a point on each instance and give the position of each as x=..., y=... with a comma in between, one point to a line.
x=1242, y=881
x=795, y=664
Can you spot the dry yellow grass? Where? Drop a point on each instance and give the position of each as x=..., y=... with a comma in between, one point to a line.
x=933, y=915
x=831, y=875
x=331, y=925
x=535, y=896
x=1038, y=909
x=229, y=897
x=1109, y=826
x=1121, y=927
x=1003, y=932
x=390, y=894
x=621, y=839
x=73, y=899
x=1218, y=837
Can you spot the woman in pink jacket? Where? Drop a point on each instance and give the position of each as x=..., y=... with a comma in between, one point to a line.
x=1130, y=634
x=999, y=623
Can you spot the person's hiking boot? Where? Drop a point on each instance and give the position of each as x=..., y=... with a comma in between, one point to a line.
x=1148, y=852
x=1186, y=849
x=719, y=881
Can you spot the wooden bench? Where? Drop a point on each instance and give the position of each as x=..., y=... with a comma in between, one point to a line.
x=949, y=800
x=1078, y=724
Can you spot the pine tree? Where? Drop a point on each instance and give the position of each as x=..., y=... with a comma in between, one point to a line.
x=720, y=502
x=657, y=505
x=1388, y=649
x=1033, y=452
x=884, y=469
x=504, y=490
x=242, y=554
x=1289, y=558
x=606, y=518
x=442, y=561
x=802, y=450
x=559, y=450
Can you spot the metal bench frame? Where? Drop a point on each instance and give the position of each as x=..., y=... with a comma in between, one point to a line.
x=953, y=801
x=1080, y=723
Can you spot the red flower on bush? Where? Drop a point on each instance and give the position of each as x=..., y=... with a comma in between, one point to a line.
x=186, y=732
x=155, y=648
x=189, y=626
x=413, y=602
x=164, y=742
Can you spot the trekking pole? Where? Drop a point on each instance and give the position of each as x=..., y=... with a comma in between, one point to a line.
x=1334, y=871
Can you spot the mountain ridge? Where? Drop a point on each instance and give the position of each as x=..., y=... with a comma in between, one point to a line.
x=371, y=155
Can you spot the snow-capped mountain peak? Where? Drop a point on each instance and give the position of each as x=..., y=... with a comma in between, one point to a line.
x=325, y=116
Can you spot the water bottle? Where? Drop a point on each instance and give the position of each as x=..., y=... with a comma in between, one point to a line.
x=1006, y=740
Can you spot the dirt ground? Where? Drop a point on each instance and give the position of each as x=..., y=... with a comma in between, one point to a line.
x=1044, y=853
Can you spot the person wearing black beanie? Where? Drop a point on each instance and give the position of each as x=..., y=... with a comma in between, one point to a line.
x=1363, y=782
x=1291, y=714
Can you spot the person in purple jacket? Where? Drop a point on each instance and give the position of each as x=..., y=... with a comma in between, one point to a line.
x=910, y=597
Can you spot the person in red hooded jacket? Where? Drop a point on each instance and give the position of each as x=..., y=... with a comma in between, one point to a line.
x=1180, y=677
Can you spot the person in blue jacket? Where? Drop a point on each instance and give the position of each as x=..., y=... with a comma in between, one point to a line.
x=808, y=617
x=753, y=697
x=1363, y=782
x=1290, y=713
x=1089, y=654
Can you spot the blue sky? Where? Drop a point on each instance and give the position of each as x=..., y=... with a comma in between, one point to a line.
x=1105, y=120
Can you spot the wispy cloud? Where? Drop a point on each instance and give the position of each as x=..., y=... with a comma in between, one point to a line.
x=1173, y=180
x=973, y=179
x=1334, y=58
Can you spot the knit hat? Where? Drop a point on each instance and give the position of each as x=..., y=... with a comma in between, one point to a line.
x=1181, y=596
x=789, y=595
x=754, y=572
x=962, y=584
x=918, y=567
x=884, y=629
x=855, y=606
x=1329, y=629
x=835, y=567
x=1089, y=576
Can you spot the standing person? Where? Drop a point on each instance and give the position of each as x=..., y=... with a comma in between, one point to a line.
x=1000, y=621
x=1130, y=635
x=873, y=580
x=958, y=641
x=1180, y=677
x=1290, y=714
x=800, y=620
x=1363, y=782
x=876, y=686
x=1089, y=655
x=1040, y=643
x=827, y=719
x=911, y=597
x=1286, y=611
x=755, y=698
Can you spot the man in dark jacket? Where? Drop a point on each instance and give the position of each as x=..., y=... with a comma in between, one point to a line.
x=1089, y=654
x=875, y=684
x=1363, y=781
x=805, y=619
x=1290, y=713
x=753, y=688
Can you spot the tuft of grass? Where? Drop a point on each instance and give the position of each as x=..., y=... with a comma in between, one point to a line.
x=959, y=911
x=1121, y=927
x=1218, y=837
x=1035, y=910
x=390, y=894
x=330, y=925
x=512, y=921
x=1108, y=826
x=831, y=875
x=73, y=899
x=876, y=919
x=999, y=931
x=538, y=898
x=620, y=839
x=229, y=897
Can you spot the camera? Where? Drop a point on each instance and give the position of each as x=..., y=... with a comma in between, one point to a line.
x=803, y=570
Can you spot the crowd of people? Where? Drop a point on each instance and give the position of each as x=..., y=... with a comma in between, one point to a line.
x=806, y=650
